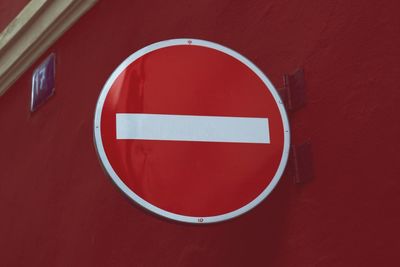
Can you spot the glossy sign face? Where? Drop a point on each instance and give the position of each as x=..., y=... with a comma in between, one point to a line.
x=192, y=131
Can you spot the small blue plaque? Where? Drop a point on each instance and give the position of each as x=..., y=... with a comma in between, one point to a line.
x=43, y=81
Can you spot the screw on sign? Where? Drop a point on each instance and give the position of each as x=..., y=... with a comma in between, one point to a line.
x=192, y=131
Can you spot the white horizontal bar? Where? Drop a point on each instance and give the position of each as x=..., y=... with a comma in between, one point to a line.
x=192, y=128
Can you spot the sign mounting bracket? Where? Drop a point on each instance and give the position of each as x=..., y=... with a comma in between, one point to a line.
x=294, y=97
x=293, y=93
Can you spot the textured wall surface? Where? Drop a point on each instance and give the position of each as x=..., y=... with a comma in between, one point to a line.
x=58, y=208
x=10, y=9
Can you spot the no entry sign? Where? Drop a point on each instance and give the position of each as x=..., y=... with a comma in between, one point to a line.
x=191, y=130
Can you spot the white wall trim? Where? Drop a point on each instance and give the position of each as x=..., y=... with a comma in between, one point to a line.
x=32, y=32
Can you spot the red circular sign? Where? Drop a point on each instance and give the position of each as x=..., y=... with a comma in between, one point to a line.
x=192, y=131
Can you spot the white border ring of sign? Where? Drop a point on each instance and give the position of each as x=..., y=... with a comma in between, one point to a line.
x=177, y=217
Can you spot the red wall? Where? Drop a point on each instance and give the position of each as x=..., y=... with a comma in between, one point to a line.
x=10, y=9
x=58, y=208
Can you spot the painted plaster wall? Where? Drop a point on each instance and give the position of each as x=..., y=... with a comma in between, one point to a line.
x=10, y=9
x=58, y=208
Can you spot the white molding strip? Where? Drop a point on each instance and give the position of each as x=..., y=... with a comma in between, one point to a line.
x=32, y=32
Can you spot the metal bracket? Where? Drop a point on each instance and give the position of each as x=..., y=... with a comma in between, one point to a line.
x=300, y=165
x=294, y=97
x=293, y=93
